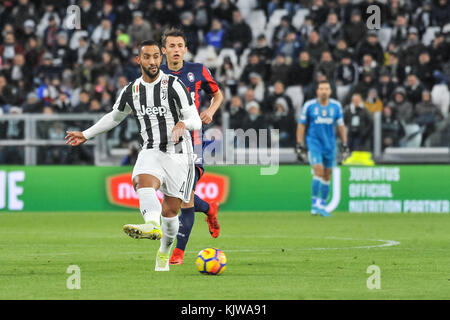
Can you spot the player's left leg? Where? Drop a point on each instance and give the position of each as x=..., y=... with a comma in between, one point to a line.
x=169, y=225
x=329, y=161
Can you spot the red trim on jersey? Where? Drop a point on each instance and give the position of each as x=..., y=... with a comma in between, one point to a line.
x=198, y=86
x=213, y=85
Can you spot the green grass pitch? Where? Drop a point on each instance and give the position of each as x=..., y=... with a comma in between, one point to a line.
x=271, y=255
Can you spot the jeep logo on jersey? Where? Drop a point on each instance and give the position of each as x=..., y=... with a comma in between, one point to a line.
x=152, y=111
x=120, y=191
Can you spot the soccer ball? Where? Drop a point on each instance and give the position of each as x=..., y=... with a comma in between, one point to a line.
x=211, y=261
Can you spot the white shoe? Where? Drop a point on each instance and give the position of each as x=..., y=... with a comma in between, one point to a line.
x=162, y=262
x=150, y=230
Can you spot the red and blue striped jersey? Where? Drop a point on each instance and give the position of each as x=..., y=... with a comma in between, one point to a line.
x=195, y=77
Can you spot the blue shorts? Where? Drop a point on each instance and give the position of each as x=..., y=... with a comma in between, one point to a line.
x=328, y=159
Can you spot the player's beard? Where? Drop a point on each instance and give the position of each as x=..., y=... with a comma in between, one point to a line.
x=149, y=73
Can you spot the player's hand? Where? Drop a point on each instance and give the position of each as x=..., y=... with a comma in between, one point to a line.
x=178, y=131
x=345, y=151
x=302, y=153
x=206, y=117
x=75, y=138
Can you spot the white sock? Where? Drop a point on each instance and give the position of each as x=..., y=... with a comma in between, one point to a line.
x=149, y=205
x=169, y=228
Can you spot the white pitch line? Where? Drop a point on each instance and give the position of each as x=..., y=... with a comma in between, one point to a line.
x=385, y=243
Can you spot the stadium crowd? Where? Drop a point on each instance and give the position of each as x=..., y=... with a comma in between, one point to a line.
x=266, y=55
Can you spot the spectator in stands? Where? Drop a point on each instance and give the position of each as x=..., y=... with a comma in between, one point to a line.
x=216, y=35
x=327, y=65
x=290, y=46
x=411, y=47
x=254, y=118
x=315, y=46
x=283, y=119
x=425, y=68
x=370, y=46
x=139, y=30
x=257, y=84
x=237, y=112
x=6, y=94
x=203, y=14
x=400, y=30
x=9, y=48
x=306, y=28
x=403, y=109
x=224, y=11
x=395, y=69
x=413, y=89
x=239, y=35
x=103, y=32
x=227, y=75
x=263, y=49
x=254, y=65
x=33, y=104
x=391, y=129
x=319, y=12
x=280, y=70
x=302, y=72
x=21, y=72
x=190, y=31
x=367, y=81
x=331, y=30
x=84, y=104
x=279, y=91
x=440, y=14
x=423, y=16
x=369, y=65
x=385, y=86
x=439, y=49
x=373, y=103
x=281, y=31
x=355, y=30
x=345, y=11
x=359, y=124
x=427, y=115
x=88, y=16
x=346, y=75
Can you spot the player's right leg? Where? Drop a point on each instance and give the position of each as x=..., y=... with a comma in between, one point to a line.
x=146, y=186
x=315, y=160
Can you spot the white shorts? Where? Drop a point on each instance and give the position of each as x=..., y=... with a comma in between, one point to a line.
x=175, y=171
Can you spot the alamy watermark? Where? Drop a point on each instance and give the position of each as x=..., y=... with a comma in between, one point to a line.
x=374, y=20
x=374, y=280
x=240, y=147
x=74, y=280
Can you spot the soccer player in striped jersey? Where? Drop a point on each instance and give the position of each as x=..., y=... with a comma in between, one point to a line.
x=320, y=116
x=196, y=77
x=165, y=113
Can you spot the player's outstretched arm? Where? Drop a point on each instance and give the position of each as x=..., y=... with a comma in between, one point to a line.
x=106, y=123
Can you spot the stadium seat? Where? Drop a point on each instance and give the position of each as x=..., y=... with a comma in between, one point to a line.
x=384, y=36
x=429, y=34
x=207, y=55
x=257, y=21
x=440, y=96
x=275, y=18
x=246, y=7
x=342, y=92
x=296, y=95
x=299, y=18
x=413, y=136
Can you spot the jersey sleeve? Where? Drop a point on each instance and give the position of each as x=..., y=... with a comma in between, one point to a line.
x=123, y=101
x=339, y=115
x=209, y=85
x=303, y=119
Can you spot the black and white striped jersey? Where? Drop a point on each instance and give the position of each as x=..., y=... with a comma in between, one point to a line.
x=157, y=107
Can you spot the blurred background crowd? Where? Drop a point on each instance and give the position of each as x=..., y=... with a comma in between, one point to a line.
x=266, y=55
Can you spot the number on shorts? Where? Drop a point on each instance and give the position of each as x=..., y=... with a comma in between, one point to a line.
x=182, y=187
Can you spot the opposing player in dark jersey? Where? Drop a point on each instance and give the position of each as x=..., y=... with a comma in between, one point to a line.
x=165, y=113
x=196, y=77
